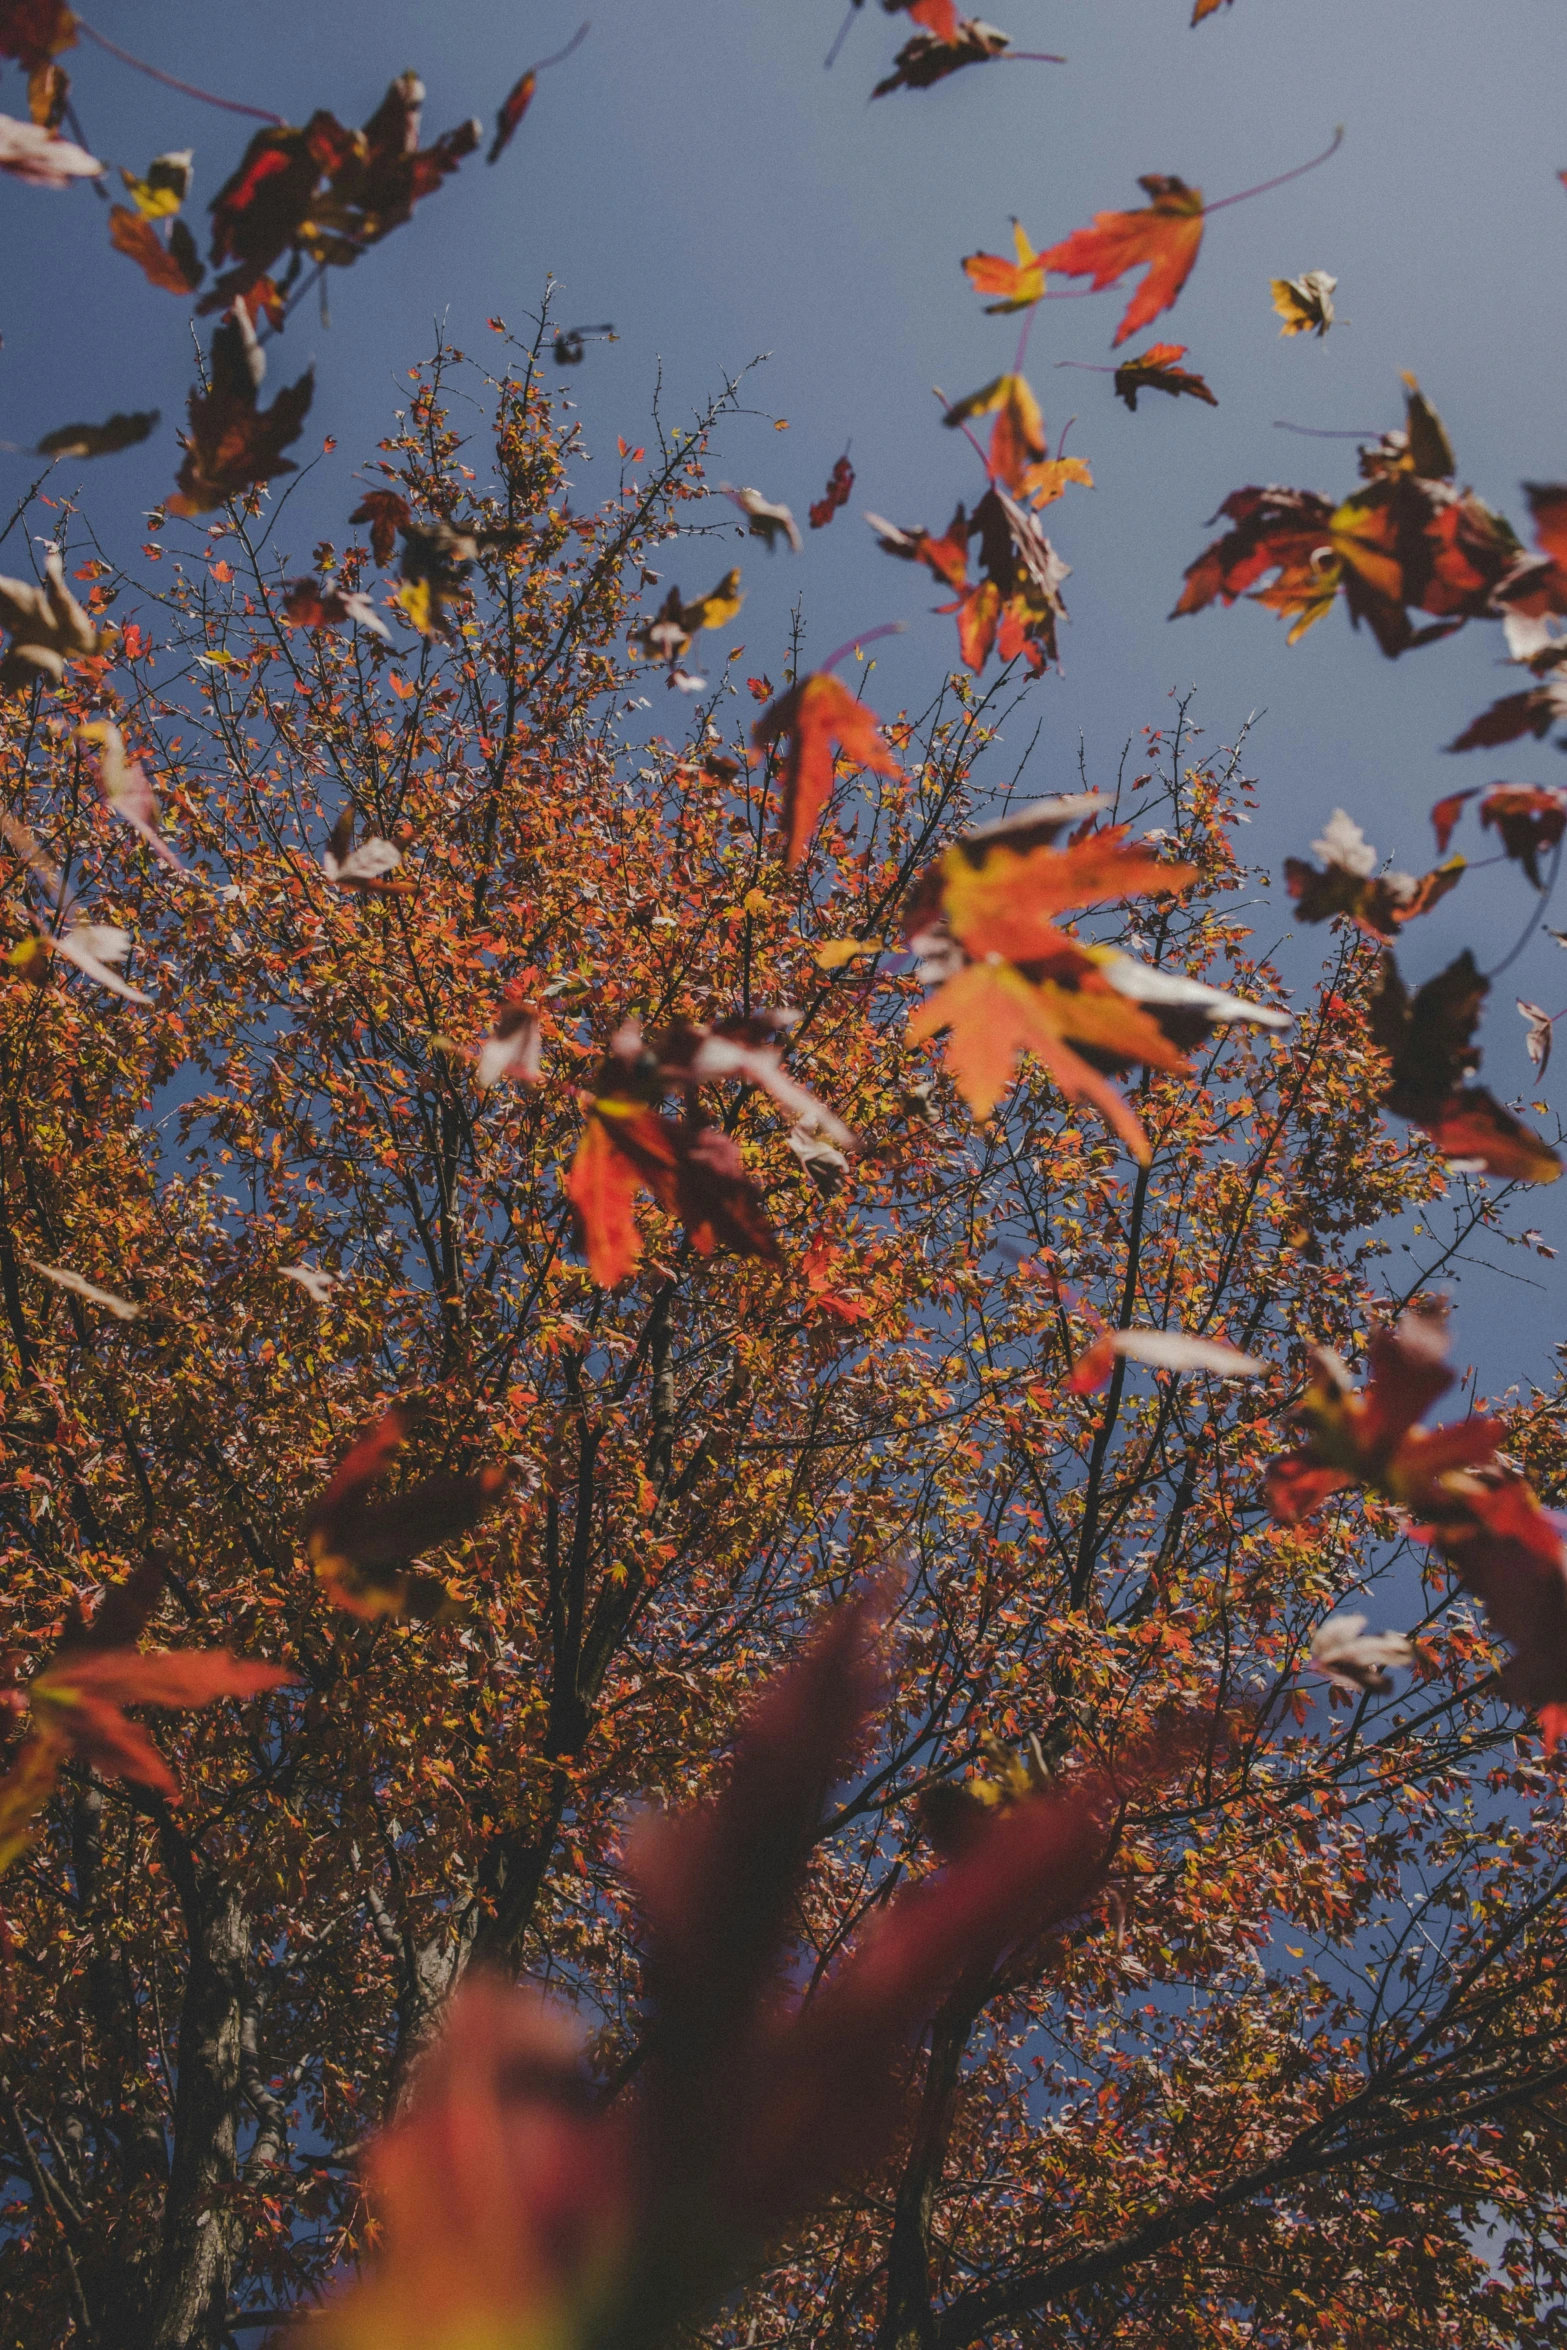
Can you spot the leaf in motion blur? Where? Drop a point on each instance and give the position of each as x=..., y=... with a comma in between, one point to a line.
x=387, y=512
x=840, y=482
x=233, y=444
x=1429, y=1039
x=174, y=264
x=1019, y=283
x=1160, y=1350
x=1346, y=1653
x=928, y=57
x=666, y=636
x=764, y=520
x=313, y=603
x=120, y=431
x=363, y=1550
x=121, y=1308
x=1349, y=883
x=369, y=867
x=126, y=787
x=30, y=152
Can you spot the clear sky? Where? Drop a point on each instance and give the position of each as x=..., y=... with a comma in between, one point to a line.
x=693, y=175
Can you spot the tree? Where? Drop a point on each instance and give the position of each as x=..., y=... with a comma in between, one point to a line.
x=619, y=1505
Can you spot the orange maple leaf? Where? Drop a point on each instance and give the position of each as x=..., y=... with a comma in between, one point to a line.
x=1020, y=283
x=814, y=715
x=1003, y=905
x=1166, y=235
x=74, y=1702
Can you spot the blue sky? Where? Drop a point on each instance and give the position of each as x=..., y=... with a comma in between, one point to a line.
x=693, y=174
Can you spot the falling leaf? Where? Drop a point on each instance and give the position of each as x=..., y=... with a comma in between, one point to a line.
x=929, y=56
x=1154, y=370
x=666, y=636
x=328, y=193
x=834, y=953
x=29, y=152
x=175, y=266
x=1161, y=1350
x=1529, y=817
x=814, y=716
x=1020, y=283
x=513, y=1045
x=74, y=1698
x=48, y=627
x=1344, y=1652
x=1537, y=1043
x=308, y=603
x=127, y=787
x=166, y=186
x=34, y=31
x=764, y=520
x=1165, y=236
x=1380, y=904
x=840, y=482
x=119, y=1307
x=513, y=107
x=369, y=867
x=1305, y=303
x=363, y=1550
x=387, y=513
x=119, y=431
x=233, y=444
x=1430, y=1042
x=319, y=1284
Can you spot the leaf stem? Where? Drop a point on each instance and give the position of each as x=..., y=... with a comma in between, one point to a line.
x=1263, y=186
x=867, y=636
x=1534, y=921
x=171, y=82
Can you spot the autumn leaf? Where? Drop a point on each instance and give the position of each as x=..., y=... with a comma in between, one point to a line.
x=512, y=1047
x=1529, y=817
x=1159, y=1350
x=387, y=513
x=29, y=152
x=308, y=603
x=1345, y=1653
x=1430, y=1042
x=369, y=867
x=1154, y=370
x=814, y=717
x=1349, y=883
x=175, y=266
x=166, y=186
x=1165, y=237
x=120, y=431
x=513, y=107
x=1017, y=439
x=1305, y=303
x=666, y=636
x=48, y=627
x=233, y=444
x=73, y=1703
x=127, y=787
x=363, y=1550
x=764, y=519
x=119, y=1307
x=1541, y=1028
x=929, y=57
x=1020, y=283
x=840, y=483
x=1004, y=904
x=604, y=1180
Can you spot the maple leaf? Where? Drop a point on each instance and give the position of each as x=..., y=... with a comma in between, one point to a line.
x=693, y=1171
x=815, y=715
x=74, y=1699
x=1154, y=370
x=1344, y=1652
x=48, y=627
x=840, y=482
x=30, y=152
x=1529, y=817
x=1429, y=1041
x=309, y=603
x=1020, y=283
x=368, y=867
x=233, y=444
x=764, y=520
x=327, y=192
x=175, y=266
x=1002, y=903
x=1305, y=303
x=387, y=513
x=946, y=557
x=363, y=1550
x=127, y=787
x=34, y=31
x=1166, y=236
x=1534, y=711
x=1160, y=1350
x=122, y=430
x=508, y=2195
x=1379, y=904
x=437, y=558
x=1285, y=533
x=1017, y=439
x=928, y=57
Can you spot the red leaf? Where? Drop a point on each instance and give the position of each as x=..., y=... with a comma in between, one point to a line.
x=1166, y=236
x=387, y=513
x=840, y=482
x=815, y=715
x=362, y=1549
